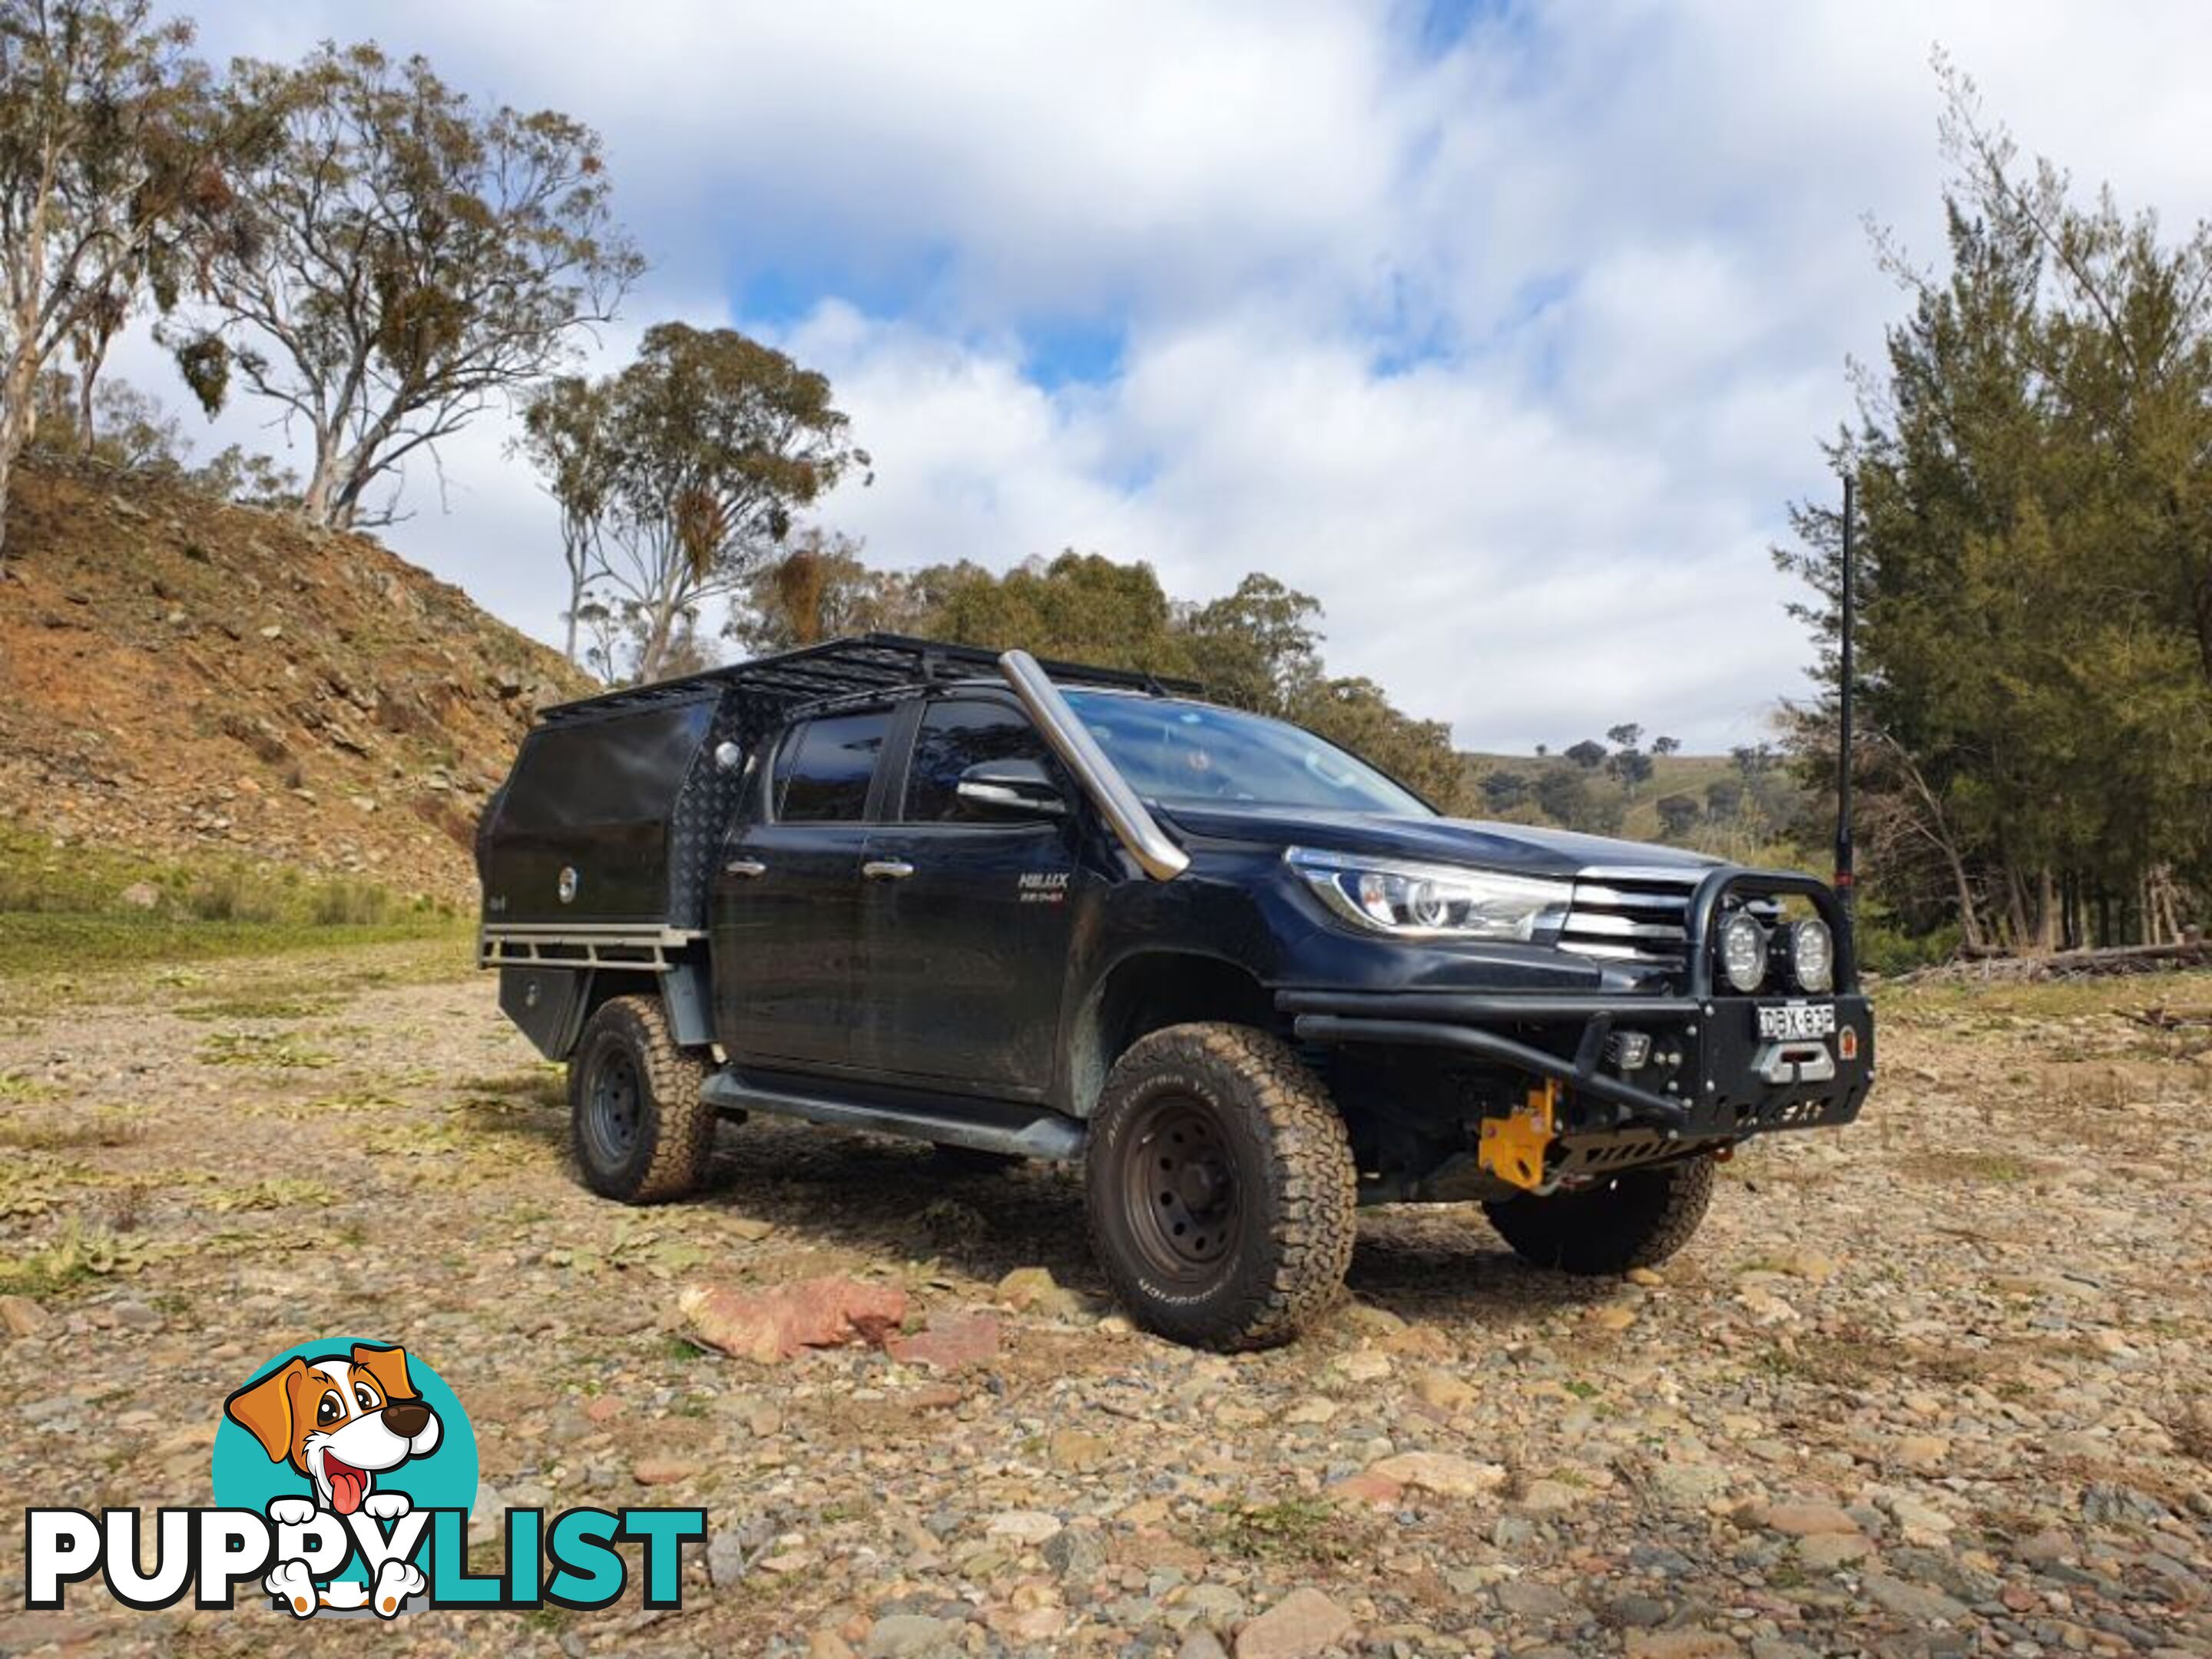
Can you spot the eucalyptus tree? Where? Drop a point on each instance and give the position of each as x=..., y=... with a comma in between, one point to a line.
x=394, y=256
x=678, y=479
x=568, y=435
x=105, y=151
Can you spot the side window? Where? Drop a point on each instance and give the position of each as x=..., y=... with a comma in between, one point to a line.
x=821, y=773
x=952, y=737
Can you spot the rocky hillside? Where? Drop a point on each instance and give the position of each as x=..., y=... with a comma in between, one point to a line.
x=178, y=675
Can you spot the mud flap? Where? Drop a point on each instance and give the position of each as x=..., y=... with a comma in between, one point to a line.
x=547, y=1003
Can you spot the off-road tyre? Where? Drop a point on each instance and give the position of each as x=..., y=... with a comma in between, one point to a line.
x=1635, y=1218
x=1195, y=1107
x=626, y=1052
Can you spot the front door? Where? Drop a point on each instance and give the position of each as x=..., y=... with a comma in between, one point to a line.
x=966, y=916
x=787, y=913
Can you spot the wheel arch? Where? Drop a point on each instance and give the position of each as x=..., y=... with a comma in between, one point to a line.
x=1147, y=991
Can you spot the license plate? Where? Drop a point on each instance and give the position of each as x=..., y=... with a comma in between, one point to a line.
x=1784, y=1021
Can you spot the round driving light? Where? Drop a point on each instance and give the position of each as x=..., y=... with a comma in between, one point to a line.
x=1812, y=956
x=1743, y=952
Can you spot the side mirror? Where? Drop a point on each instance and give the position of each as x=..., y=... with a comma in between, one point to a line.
x=1011, y=789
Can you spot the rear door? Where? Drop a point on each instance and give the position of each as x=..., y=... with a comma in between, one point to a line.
x=787, y=902
x=966, y=918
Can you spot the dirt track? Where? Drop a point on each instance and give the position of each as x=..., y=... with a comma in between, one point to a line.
x=1939, y=1383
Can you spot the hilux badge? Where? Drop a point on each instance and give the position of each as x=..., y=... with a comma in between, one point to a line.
x=1042, y=887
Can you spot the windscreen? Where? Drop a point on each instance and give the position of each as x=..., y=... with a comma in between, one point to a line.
x=1193, y=752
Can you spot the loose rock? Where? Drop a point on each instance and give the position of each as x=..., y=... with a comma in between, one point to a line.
x=767, y=1326
x=1302, y=1623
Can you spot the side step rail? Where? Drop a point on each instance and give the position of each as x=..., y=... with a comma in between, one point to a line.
x=1017, y=1131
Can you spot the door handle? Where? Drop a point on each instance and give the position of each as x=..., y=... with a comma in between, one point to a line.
x=886, y=869
x=746, y=867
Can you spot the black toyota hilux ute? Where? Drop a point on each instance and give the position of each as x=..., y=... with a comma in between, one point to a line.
x=1243, y=978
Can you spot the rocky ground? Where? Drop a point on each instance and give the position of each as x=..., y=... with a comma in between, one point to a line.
x=1940, y=1383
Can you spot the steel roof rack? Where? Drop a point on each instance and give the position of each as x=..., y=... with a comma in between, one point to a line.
x=860, y=664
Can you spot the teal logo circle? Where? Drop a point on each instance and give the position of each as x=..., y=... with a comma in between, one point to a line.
x=278, y=1431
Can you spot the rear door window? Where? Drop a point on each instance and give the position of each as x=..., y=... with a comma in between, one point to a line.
x=825, y=768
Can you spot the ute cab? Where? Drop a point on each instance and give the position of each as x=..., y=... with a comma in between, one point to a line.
x=1243, y=980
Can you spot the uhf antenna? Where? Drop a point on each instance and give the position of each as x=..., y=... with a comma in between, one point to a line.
x=1843, y=717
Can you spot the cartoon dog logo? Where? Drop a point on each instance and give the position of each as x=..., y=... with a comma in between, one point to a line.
x=340, y=1420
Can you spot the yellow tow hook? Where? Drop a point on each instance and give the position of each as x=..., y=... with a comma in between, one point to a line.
x=1512, y=1148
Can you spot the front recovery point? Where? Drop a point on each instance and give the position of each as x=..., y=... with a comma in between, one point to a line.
x=1512, y=1147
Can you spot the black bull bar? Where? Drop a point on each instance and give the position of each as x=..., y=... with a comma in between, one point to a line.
x=1717, y=1091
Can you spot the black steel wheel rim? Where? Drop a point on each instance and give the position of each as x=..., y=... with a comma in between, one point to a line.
x=1179, y=1190
x=612, y=1107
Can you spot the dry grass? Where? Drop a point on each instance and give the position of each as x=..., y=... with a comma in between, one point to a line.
x=107, y=1126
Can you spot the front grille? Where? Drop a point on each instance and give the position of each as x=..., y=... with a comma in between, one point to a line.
x=1629, y=914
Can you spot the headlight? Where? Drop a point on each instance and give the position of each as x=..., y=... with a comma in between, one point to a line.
x=1743, y=951
x=1812, y=956
x=1431, y=901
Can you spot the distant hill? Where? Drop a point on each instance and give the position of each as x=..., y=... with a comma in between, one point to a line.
x=1738, y=814
x=179, y=675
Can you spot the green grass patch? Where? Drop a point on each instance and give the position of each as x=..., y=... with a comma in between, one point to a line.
x=278, y=1193
x=43, y=944
x=32, y=1185
x=259, y=1004
x=1289, y=1529
x=107, y=1126
x=276, y=1052
x=77, y=908
x=80, y=1257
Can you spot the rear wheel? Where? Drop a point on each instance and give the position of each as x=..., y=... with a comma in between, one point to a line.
x=639, y=1129
x=1636, y=1219
x=1220, y=1188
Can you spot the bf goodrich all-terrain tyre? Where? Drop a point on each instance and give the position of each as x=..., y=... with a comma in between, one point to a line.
x=1636, y=1219
x=640, y=1131
x=1220, y=1187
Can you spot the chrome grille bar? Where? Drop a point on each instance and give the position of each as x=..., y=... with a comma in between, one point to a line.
x=1631, y=915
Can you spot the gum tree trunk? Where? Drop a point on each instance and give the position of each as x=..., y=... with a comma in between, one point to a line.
x=19, y=418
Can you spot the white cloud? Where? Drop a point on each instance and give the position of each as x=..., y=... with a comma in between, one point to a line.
x=1512, y=353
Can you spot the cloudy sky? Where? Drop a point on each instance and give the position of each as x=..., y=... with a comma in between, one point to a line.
x=1506, y=331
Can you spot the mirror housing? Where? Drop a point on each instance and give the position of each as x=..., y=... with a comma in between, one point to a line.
x=1011, y=789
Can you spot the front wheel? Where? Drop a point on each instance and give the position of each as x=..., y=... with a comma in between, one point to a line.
x=1220, y=1188
x=1635, y=1218
x=640, y=1130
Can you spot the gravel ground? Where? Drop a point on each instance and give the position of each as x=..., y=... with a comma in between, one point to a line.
x=1939, y=1383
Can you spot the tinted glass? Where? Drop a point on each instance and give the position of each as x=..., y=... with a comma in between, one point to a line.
x=1193, y=751
x=953, y=736
x=822, y=773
